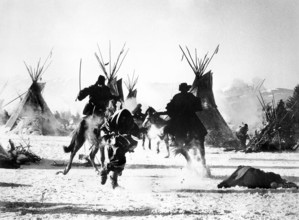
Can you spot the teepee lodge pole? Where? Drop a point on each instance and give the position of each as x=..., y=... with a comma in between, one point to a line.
x=111, y=75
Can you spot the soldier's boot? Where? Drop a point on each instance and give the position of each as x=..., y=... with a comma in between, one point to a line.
x=113, y=179
x=104, y=175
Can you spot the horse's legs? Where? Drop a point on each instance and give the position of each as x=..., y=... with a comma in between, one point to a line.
x=158, y=146
x=77, y=141
x=185, y=154
x=92, y=155
x=166, y=141
x=149, y=143
x=143, y=141
x=102, y=151
x=202, y=152
x=78, y=145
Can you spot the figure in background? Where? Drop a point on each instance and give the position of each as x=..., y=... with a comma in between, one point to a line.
x=137, y=113
x=242, y=135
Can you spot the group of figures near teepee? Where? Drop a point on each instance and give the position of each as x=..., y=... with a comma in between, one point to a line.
x=191, y=118
x=107, y=122
x=107, y=125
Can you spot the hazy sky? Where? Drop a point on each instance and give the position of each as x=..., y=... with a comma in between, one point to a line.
x=258, y=38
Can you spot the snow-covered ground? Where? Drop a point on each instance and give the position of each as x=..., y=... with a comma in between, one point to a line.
x=152, y=187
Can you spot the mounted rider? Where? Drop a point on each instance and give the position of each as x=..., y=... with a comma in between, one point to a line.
x=99, y=97
x=184, y=123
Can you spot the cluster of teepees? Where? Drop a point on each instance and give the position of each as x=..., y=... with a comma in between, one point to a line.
x=111, y=71
x=33, y=116
x=219, y=132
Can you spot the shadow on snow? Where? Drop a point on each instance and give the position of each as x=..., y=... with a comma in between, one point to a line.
x=89, y=209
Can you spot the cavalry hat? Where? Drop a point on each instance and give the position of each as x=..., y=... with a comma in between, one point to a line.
x=184, y=87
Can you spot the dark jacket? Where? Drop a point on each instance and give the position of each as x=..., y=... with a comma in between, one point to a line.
x=99, y=97
x=182, y=111
x=183, y=104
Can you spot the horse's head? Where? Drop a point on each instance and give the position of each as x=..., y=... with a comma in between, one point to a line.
x=150, y=111
x=152, y=117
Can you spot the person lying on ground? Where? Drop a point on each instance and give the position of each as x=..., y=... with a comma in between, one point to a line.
x=251, y=177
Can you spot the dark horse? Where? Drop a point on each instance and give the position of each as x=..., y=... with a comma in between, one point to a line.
x=182, y=145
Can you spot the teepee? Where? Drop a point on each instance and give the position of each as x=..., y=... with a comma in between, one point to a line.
x=32, y=115
x=131, y=86
x=111, y=71
x=202, y=87
x=131, y=100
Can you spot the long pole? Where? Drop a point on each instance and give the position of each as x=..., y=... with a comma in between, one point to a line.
x=13, y=100
x=79, y=76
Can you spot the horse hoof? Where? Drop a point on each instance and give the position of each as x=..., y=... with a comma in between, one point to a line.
x=167, y=156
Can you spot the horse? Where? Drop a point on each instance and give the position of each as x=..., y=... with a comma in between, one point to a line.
x=90, y=128
x=143, y=131
x=154, y=127
x=182, y=144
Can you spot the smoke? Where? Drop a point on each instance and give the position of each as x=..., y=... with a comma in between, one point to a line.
x=130, y=104
x=156, y=95
x=239, y=104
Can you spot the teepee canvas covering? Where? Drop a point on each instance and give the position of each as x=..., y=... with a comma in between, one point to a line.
x=32, y=115
x=202, y=87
